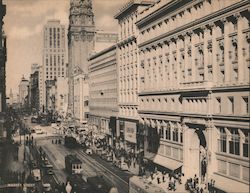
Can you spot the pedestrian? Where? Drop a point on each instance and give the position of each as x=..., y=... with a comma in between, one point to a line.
x=158, y=179
x=163, y=176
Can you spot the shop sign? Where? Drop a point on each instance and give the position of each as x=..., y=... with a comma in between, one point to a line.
x=130, y=132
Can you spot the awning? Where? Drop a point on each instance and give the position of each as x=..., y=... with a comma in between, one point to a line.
x=225, y=184
x=149, y=156
x=167, y=162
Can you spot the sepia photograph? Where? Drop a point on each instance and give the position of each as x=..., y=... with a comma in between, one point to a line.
x=124, y=96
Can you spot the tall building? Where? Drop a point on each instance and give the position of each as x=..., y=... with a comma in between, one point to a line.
x=61, y=96
x=128, y=70
x=40, y=88
x=34, y=88
x=3, y=58
x=81, y=95
x=194, y=89
x=80, y=40
x=104, y=39
x=54, y=54
x=103, y=104
x=23, y=92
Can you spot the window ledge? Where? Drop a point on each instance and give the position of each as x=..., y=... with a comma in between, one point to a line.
x=233, y=158
x=232, y=178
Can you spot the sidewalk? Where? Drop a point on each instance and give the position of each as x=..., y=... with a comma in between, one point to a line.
x=19, y=165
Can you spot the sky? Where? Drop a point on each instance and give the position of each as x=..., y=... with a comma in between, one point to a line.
x=23, y=26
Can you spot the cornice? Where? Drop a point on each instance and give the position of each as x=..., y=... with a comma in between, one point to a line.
x=96, y=55
x=205, y=20
x=131, y=5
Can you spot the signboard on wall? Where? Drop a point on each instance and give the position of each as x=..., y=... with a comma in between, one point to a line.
x=130, y=132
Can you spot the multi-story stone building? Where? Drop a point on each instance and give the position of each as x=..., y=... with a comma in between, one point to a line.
x=50, y=105
x=104, y=39
x=61, y=96
x=103, y=104
x=81, y=96
x=128, y=70
x=194, y=88
x=80, y=41
x=3, y=58
x=23, y=88
x=34, y=88
x=54, y=55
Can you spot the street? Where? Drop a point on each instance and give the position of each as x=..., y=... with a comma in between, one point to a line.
x=92, y=164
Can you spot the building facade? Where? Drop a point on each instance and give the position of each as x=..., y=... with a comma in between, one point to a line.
x=81, y=96
x=194, y=88
x=104, y=39
x=80, y=41
x=103, y=102
x=54, y=54
x=61, y=96
x=50, y=105
x=3, y=58
x=128, y=71
x=23, y=88
x=34, y=88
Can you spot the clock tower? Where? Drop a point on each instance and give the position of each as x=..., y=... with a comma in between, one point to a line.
x=80, y=40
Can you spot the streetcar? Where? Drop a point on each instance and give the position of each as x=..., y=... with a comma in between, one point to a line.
x=73, y=165
x=70, y=142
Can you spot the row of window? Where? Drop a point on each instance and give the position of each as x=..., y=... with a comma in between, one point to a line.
x=231, y=105
x=55, y=60
x=227, y=107
x=234, y=141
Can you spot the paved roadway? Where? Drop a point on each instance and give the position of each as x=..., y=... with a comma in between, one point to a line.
x=93, y=165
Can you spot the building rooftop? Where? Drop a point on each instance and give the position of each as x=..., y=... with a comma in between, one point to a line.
x=130, y=5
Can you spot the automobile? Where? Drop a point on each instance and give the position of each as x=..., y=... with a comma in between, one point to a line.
x=89, y=151
x=47, y=187
x=34, y=165
x=36, y=173
x=39, y=131
x=109, y=158
x=33, y=119
x=49, y=172
x=124, y=166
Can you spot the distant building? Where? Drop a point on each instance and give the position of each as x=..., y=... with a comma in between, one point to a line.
x=81, y=96
x=103, y=104
x=61, y=96
x=3, y=58
x=54, y=55
x=104, y=39
x=23, y=92
x=80, y=40
x=34, y=88
x=50, y=105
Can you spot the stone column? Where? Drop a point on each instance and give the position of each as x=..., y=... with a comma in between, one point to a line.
x=240, y=38
x=227, y=44
x=214, y=53
x=206, y=32
x=186, y=55
x=171, y=61
x=193, y=65
x=211, y=137
x=178, y=55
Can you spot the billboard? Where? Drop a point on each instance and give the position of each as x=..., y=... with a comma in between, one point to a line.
x=130, y=131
